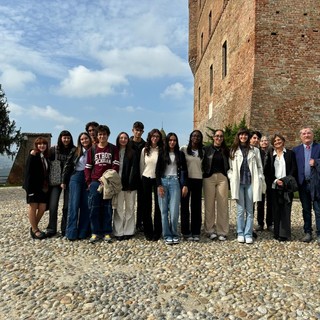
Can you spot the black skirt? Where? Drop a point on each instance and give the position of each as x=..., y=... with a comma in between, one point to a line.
x=39, y=197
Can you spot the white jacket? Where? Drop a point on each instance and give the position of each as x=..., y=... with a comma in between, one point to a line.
x=256, y=170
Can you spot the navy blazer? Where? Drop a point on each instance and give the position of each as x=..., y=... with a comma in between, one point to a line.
x=299, y=152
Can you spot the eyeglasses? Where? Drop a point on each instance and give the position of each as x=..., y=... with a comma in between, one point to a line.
x=217, y=136
x=155, y=136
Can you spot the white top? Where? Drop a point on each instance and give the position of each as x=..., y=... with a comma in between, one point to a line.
x=194, y=163
x=171, y=169
x=279, y=167
x=148, y=163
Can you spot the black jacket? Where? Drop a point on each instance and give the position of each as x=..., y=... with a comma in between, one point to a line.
x=182, y=169
x=36, y=176
x=269, y=170
x=209, y=152
x=130, y=175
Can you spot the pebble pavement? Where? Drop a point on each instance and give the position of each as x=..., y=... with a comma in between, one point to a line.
x=136, y=279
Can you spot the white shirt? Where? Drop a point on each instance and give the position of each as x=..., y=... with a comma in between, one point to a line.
x=279, y=167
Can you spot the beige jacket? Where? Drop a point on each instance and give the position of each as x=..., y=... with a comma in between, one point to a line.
x=110, y=186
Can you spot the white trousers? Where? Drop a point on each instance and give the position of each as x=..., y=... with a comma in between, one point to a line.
x=123, y=219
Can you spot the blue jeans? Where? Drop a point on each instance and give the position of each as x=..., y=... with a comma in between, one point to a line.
x=100, y=211
x=78, y=222
x=245, y=207
x=307, y=203
x=169, y=206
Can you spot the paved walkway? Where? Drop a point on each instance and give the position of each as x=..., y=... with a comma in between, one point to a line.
x=136, y=279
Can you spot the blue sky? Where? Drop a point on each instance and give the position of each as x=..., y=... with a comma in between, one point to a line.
x=65, y=63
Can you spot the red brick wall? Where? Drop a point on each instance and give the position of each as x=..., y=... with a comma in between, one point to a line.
x=286, y=86
x=273, y=64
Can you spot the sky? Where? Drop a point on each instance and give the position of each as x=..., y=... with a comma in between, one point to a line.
x=65, y=63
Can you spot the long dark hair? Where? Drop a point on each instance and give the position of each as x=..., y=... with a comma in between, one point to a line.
x=148, y=143
x=166, y=156
x=200, y=145
x=236, y=142
x=61, y=147
x=128, y=150
x=79, y=150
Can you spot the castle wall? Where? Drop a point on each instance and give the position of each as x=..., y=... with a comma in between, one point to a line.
x=233, y=22
x=286, y=87
x=273, y=64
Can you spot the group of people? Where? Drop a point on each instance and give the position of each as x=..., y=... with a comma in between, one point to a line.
x=104, y=184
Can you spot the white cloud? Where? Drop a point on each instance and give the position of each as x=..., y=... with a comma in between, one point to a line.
x=16, y=79
x=16, y=110
x=129, y=109
x=82, y=82
x=175, y=91
x=50, y=113
x=144, y=62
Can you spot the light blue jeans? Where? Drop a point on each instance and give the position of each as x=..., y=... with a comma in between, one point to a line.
x=245, y=211
x=169, y=206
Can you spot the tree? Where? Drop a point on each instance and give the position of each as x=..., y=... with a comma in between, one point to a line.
x=9, y=136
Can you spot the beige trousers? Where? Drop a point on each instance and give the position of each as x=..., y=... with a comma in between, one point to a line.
x=216, y=220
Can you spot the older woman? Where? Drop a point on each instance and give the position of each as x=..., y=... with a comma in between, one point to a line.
x=280, y=171
x=246, y=182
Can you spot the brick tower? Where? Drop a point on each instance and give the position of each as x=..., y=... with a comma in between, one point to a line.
x=259, y=59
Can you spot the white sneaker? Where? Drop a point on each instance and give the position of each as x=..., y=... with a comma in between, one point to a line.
x=249, y=240
x=241, y=239
x=212, y=236
x=222, y=238
x=196, y=238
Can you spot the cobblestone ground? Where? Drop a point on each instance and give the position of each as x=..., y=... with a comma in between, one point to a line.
x=136, y=279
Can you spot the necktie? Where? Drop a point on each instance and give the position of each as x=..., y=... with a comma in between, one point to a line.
x=308, y=147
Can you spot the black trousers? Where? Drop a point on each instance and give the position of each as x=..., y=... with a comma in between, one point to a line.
x=195, y=195
x=152, y=229
x=281, y=215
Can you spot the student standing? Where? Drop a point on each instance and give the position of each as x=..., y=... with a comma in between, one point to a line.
x=137, y=144
x=148, y=162
x=100, y=157
x=36, y=185
x=171, y=175
x=123, y=221
x=78, y=222
x=215, y=187
x=194, y=154
x=59, y=152
x=246, y=182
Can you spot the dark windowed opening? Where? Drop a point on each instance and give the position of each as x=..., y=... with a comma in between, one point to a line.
x=224, y=59
x=211, y=79
x=210, y=22
x=201, y=44
x=199, y=94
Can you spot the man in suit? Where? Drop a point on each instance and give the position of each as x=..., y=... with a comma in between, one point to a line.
x=306, y=154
